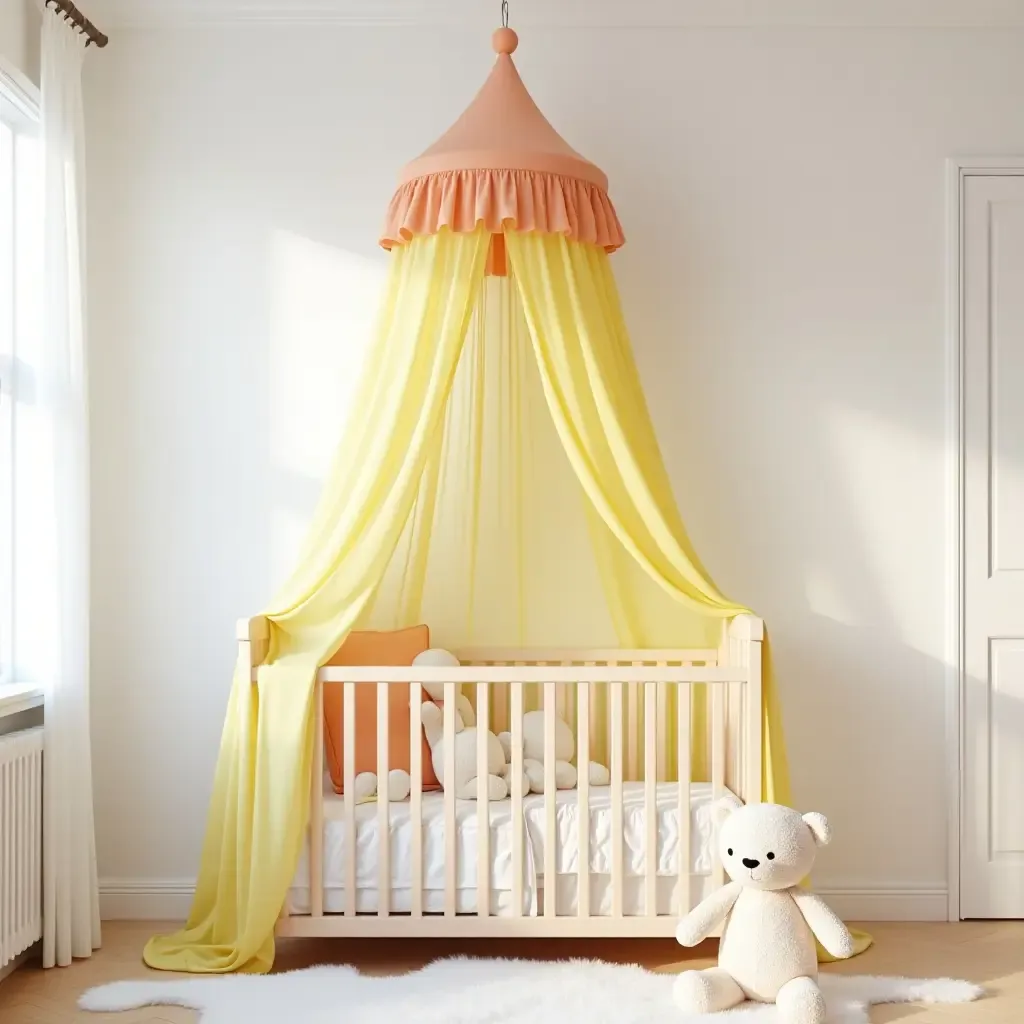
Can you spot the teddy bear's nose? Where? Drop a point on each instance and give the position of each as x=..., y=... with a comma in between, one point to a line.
x=748, y=863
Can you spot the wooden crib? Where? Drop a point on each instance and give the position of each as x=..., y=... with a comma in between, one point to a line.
x=626, y=859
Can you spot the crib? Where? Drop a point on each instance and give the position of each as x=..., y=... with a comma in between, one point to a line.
x=626, y=859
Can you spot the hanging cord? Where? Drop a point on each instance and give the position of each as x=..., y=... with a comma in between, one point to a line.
x=504, y=13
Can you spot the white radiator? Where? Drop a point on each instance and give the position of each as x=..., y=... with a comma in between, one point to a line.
x=21, y=842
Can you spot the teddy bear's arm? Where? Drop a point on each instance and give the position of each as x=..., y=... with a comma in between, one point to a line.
x=823, y=921
x=701, y=921
x=464, y=709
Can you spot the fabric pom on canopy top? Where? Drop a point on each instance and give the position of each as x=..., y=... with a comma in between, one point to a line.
x=502, y=165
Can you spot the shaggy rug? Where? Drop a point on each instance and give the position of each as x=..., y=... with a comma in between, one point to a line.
x=471, y=991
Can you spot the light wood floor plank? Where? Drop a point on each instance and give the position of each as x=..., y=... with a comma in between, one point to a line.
x=990, y=953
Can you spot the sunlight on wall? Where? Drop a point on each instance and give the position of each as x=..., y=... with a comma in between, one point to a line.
x=323, y=309
x=826, y=596
x=889, y=475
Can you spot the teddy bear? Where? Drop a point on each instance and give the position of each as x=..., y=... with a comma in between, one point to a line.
x=399, y=785
x=767, y=951
x=565, y=747
x=499, y=782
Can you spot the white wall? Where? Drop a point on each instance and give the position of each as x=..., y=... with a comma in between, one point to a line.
x=782, y=191
x=19, y=36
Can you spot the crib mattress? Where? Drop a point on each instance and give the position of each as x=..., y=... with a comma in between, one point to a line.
x=567, y=824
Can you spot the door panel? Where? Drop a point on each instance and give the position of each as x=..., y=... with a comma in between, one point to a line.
x=992, y=841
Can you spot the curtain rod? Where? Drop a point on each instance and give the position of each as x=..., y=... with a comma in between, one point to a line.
x=80, y=21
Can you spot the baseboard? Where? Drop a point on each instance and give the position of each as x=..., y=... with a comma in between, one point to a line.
x=145, y=899
x=141, y=899
x=888, y=904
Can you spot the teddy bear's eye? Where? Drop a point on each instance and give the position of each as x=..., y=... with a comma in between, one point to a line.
x=771, y=856
x=729, y=851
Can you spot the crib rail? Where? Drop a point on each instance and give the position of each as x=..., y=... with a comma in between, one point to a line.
x=635, y=711
x=526, y=674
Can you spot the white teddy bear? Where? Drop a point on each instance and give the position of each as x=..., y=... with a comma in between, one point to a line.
x=767, y=951
x=499, y=783
x=565, y=747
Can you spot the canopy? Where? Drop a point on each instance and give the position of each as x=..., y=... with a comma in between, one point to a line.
x=503, y=166
x=499, y=479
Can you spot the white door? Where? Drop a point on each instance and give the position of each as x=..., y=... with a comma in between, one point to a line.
x=992, y=841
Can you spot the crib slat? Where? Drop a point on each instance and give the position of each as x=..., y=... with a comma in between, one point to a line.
x=663, y=729
x=684, y=696
x=530, y=690
x=633, y=729
x=416, y=797
x=483, y=818
x=717, y=767
x=550, y=805
x=349, y=785
x=316, y=809
x=752, y=733
x=617, y=832
x=732, y=707
x=500, y=694
x=650, y=799
x=383, y=804
x=567, y=701
x=517, y=798
x=583, y=809
x=450, y=835
x=736, y=732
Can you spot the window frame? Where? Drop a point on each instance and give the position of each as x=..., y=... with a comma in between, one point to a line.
x=20, y=113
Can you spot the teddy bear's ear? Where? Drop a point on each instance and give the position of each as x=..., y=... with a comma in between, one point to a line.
x=436, y=657
x=818, y=824
x=721, y=809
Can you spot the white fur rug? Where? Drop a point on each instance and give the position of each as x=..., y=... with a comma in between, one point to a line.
x=470, y=991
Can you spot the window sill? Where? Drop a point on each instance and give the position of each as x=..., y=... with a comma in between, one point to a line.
x=19, y=697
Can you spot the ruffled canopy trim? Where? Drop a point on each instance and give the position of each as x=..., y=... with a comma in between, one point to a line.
x=518, y=200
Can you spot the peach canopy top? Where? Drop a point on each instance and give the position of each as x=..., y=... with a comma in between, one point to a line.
x=503, y=165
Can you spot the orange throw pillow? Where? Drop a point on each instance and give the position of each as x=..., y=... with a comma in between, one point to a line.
x=386, y=648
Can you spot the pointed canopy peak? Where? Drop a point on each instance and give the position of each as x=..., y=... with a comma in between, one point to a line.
x=503, y=166
x=503, y=129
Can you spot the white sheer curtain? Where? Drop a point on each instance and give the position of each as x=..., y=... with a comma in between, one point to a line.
x=60, y=647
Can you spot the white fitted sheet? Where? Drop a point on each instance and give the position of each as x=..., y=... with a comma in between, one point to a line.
x=500, y=820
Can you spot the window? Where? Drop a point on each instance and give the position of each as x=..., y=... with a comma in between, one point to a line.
x=20, y=303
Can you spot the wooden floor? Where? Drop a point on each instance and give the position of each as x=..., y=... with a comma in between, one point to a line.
x=991, y=954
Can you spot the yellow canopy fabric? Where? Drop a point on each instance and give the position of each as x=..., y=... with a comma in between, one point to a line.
x=499, y=478
x=260, y=802
x=594, y=394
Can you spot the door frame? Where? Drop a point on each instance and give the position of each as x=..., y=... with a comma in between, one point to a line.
x=958, y=170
